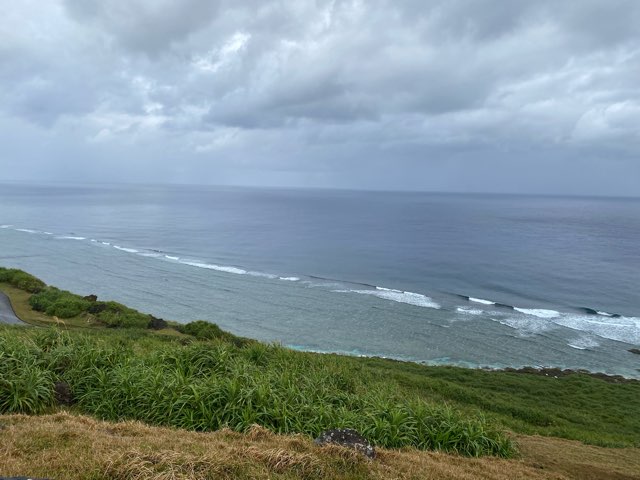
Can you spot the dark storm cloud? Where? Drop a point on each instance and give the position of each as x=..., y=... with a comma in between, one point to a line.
x=446, y=95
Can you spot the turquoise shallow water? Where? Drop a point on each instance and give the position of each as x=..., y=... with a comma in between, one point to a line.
x=471, y=280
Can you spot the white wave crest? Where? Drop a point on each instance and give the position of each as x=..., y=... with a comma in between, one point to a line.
x=383, y=289
x=262, y=275
x=289, y=279
x=124, y=249
x=170, y=257
x=584, y=343
x=538, y=312
x=482, y=301
x=623, y=329
x=6, y=226
x=525, y=325
x=68, y=237
x=410, y=298
x=151, y=255
x=605, y=314
x=47, y=233
x=105, y=243
x=219, y=268
x=469, y=311
x=26, y=230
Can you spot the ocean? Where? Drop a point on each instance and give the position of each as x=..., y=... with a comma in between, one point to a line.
x=457, y=279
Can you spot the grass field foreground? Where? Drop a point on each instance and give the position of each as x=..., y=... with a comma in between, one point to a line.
x=69, y=447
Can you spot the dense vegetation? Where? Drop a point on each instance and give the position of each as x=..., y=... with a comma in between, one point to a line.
x=207, y=385
x=22, y=280
x=208, y=331
x=65, y=304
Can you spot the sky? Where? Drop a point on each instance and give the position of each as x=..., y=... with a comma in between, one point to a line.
x=513, y=96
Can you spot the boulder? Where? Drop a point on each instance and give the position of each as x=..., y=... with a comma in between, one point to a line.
x=91, y=298
x=346, y=437
x=97, y=308
x=63, y=394
x=157, y=323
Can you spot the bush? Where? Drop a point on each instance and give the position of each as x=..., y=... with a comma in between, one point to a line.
x=63, y=304
x=116, y=315
x=22, y=280
x=204, y=330
x=58, y=303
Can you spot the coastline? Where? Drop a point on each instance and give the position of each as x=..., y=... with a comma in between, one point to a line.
x=114, y=363
x=550, y=371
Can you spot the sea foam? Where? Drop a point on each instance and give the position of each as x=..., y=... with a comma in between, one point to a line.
x=584, y=343
x=482, y=301
x=538, y=312
x=262, y=275
x=469, y=311
x=622, y=329
x=124, y=249
x=219, y=268
x=410, y=298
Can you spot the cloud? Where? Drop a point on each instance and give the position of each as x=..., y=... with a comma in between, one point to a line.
x=144, y=26
x=414, y=93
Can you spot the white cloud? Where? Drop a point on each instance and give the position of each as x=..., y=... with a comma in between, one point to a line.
x=308, y=87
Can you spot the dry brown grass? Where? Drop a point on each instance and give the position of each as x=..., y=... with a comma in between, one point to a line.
x=64, y=446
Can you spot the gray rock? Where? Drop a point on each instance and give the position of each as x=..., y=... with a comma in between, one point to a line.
x=346, y=437
x=63, y=394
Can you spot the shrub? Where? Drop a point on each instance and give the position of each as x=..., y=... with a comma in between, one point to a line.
x=63, y=304
x=204, y=330
x=60, y=303
x=22, y=280
x=116, y=315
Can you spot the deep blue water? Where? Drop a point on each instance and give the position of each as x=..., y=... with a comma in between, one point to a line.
x=356, y=272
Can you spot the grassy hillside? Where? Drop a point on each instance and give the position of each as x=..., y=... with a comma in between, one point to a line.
x=198, y=377
x=210, y=384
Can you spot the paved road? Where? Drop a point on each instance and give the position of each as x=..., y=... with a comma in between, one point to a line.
x=6, y=311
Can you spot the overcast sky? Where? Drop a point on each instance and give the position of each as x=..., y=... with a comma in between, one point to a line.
x=452, y=95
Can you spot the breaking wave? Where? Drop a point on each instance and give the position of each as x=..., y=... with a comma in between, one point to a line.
x=538, y=312
x=410, y=298
x=68, y=237
x=125, y=249
x=481, y=300
x=584, y=343
x=469, y=311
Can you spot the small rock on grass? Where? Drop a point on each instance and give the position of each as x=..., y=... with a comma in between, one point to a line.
x=63, y=394
x=346, y=437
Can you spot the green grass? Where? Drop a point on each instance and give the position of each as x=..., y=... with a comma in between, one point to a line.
x=576, y=406
x=208, y=385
